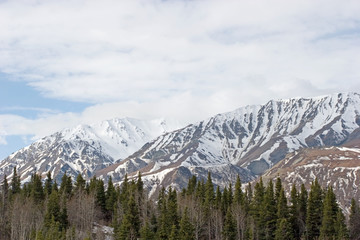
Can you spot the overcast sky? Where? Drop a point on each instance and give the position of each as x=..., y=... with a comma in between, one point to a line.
x=68, y=62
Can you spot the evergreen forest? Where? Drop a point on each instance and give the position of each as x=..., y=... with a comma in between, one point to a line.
x=76, y=209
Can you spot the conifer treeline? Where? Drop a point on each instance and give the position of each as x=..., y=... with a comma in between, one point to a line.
x=42, y=211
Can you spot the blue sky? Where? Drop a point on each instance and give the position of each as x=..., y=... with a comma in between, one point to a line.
x=64, y=63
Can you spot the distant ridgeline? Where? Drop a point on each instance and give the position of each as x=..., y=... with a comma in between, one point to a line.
x=89, y=210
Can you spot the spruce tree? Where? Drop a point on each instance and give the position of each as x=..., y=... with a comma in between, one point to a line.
x=294, y=209
x=284, y=230
x=186, y=231
x=238, y=196
x=55, y=187
x=269, y=211
x=249, y=193
x=218, y=197
x=124, y=232
x=173, y=233
x=52, y=209
x=80, y=183
x=15, y=183
x=139, y=184
x=354, y=220
x=330, y=210
x=209, y=191
x=341, y=230
x=230, y=194
x=5, y=189
x=63, y=218
x=100, y=196
x=278, y=187
x=48, y=184
x=200, y=191
x=133, y=215
x=314, y=211
x=146, y=232
x=191, y=186
x=225, y=203
x=125, y=191
x=303, y=198
x=37, y=191
x=111, y=197
x=66, y=185
x=172, y=208
x=256, y=210
x=92, y=185
x=229, y=229
x=282, y=208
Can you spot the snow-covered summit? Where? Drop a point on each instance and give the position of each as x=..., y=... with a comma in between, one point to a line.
x=85, y=148
x=247, y=141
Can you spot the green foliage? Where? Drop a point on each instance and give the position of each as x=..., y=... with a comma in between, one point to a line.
x=111, y=197
x=52, y=209
x=15, y=183
x=48, y=184
x=341, y=230
x=229, y=230
x=257, y=209
x=354, y=220
x=100, y=197
x=284, y=230
x=191, y=185
x=278, y=187
x=173, y=233
x=37, y=191
x=125, y=191
x=80, y=183
x=330, y=209
x=239, y=195
x=218, y=197
x=66, y=185
x=303, y=199
x=314, y=211
x=125, y=230
x=172, y=208
x=294, y=212
x=269, y=211
x=146, y=232
x=282, y=207
x=139, y=184
x=197, y=213
x=186, y=227
x=209, y=191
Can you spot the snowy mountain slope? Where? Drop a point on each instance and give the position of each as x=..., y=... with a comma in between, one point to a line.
x=338, y=167
x=84, y=149
x=247, y=141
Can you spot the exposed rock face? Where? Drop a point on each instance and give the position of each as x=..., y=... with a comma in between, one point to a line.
x=338, y=167
x=83, y=149
x=247, y=141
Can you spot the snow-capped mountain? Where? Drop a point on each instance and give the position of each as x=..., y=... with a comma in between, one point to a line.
x=247, y=141
x=84, y=148
x=338, y=167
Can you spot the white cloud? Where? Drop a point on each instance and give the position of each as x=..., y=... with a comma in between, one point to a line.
x=185, y=60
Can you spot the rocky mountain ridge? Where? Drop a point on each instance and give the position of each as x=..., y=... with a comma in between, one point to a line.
x=338, y=167
x=83, y=149
x=245, y=142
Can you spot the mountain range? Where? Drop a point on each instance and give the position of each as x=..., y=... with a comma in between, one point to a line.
x=250, y=142
x=83, y=149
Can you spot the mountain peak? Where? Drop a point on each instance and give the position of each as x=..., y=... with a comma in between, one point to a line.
x=247, y=141
x=84, y=148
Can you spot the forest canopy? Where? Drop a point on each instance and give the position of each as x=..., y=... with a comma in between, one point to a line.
x=41, y=210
